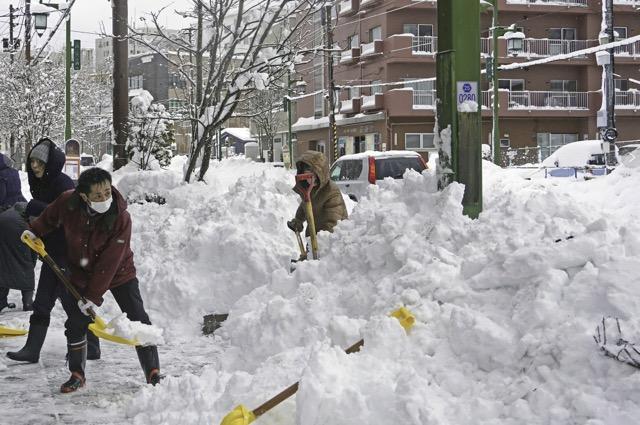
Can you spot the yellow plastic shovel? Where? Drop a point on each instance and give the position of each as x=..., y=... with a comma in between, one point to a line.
x=240, y=415
x=99, y=326
x=10, y=332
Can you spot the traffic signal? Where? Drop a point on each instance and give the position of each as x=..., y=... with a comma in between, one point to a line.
x=76, y=55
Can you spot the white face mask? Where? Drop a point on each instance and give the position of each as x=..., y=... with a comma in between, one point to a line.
x=101, y=207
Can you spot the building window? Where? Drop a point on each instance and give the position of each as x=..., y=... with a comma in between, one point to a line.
x=376, y=87
x=621, y=85
x=421, y=85
x=548, y=143
x=318, y=105
x=560, y=40
x=354, y=92
x=136, y=82
x=354, y=40
x=422, y=37
x=320, y=147
x=621, y=32
x=564, y=85
x=511, y=85
x=418, y=141
x=419, y=30
x=375, y=33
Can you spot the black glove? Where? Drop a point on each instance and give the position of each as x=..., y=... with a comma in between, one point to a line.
x=295, y=225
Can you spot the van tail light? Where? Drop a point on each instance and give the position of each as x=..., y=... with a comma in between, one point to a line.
x=372, y=170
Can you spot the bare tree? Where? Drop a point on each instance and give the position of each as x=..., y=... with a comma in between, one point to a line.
x=265, y=109
x=32, y=103
x=241, y=47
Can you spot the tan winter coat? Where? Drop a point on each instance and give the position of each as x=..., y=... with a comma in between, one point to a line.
x=326, y=198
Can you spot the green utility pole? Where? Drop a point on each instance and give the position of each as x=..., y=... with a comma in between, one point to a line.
x=458, y=105
x=67, y=123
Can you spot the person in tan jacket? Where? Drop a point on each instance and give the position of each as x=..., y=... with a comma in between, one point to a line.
x=326, y=198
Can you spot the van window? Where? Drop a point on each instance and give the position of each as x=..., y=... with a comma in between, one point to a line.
x=396, y=166
x=346, y=170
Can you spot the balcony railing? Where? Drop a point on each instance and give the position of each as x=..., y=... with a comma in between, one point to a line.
x=424, y=99
x=551, y=2
x=487, y=95
x=627, y=2
x=368, y=49
x=629, y=49
x=548, y=100
x=548, y=47
x=424, y=44
x=345, y=56
x=627, y=99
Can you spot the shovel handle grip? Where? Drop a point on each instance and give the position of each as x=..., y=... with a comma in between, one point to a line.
x=35, y=244
x=304, y=189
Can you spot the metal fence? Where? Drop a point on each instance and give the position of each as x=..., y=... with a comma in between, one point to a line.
x=548, y=100
x=424, y=98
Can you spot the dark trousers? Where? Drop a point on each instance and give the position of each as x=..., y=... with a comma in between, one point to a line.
x=49, y=290
x=128, y=298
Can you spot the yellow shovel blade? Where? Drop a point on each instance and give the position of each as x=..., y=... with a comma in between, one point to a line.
x=10, y=332
x=99, y=329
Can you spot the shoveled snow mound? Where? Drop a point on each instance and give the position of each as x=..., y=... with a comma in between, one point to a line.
x=210, y=242
x=505, y=314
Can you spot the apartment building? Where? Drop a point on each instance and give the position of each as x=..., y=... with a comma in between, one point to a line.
x=542, y=107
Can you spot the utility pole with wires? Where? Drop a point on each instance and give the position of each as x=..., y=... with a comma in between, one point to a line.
x=120, y=81
x=333, y=143
x=27, y=30
x=12, y=48
x=606, y=119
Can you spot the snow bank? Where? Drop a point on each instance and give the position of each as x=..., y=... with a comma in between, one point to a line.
x=209, y=243
x=506, y=305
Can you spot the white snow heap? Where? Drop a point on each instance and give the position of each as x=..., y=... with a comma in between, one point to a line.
x=505, y=305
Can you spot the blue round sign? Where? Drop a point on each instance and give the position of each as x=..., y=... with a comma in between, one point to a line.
x=466, y=87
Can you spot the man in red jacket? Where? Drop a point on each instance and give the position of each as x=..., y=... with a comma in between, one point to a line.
x=97, y=230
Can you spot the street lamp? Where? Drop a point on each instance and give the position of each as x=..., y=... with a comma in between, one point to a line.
x=492, y=69
x=40, y=22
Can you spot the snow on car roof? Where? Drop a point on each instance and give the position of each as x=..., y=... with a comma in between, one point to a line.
x=376, y=154
x=575, y=154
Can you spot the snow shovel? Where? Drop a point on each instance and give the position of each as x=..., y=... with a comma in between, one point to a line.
x=98, y=327
x=303, y=253
x=10, y=332
x=240, y=415
x=304, y=184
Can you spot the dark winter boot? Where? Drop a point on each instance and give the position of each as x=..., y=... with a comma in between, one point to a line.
x=31, y=350
x=150, y=363
x=93, y=346
x=77, y=357
x=4, y=293
x=27, y=300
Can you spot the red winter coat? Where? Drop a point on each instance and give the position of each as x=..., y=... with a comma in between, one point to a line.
x=98, y=251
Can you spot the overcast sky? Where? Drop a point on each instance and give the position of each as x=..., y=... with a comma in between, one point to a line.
x=90, y=16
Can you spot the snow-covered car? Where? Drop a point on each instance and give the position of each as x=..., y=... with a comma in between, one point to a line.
x=354, y=173
x=577, y=154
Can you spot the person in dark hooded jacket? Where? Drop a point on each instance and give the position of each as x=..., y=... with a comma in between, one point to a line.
x=10, y=187
x=13, y=255
x=47, y=181
x=326, y=199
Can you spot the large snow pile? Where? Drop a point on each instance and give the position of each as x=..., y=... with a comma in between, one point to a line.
x=506, y=305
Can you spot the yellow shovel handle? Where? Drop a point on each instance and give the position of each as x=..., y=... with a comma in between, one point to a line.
x=35, y=244
x=312, y=229
x=303, y=252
